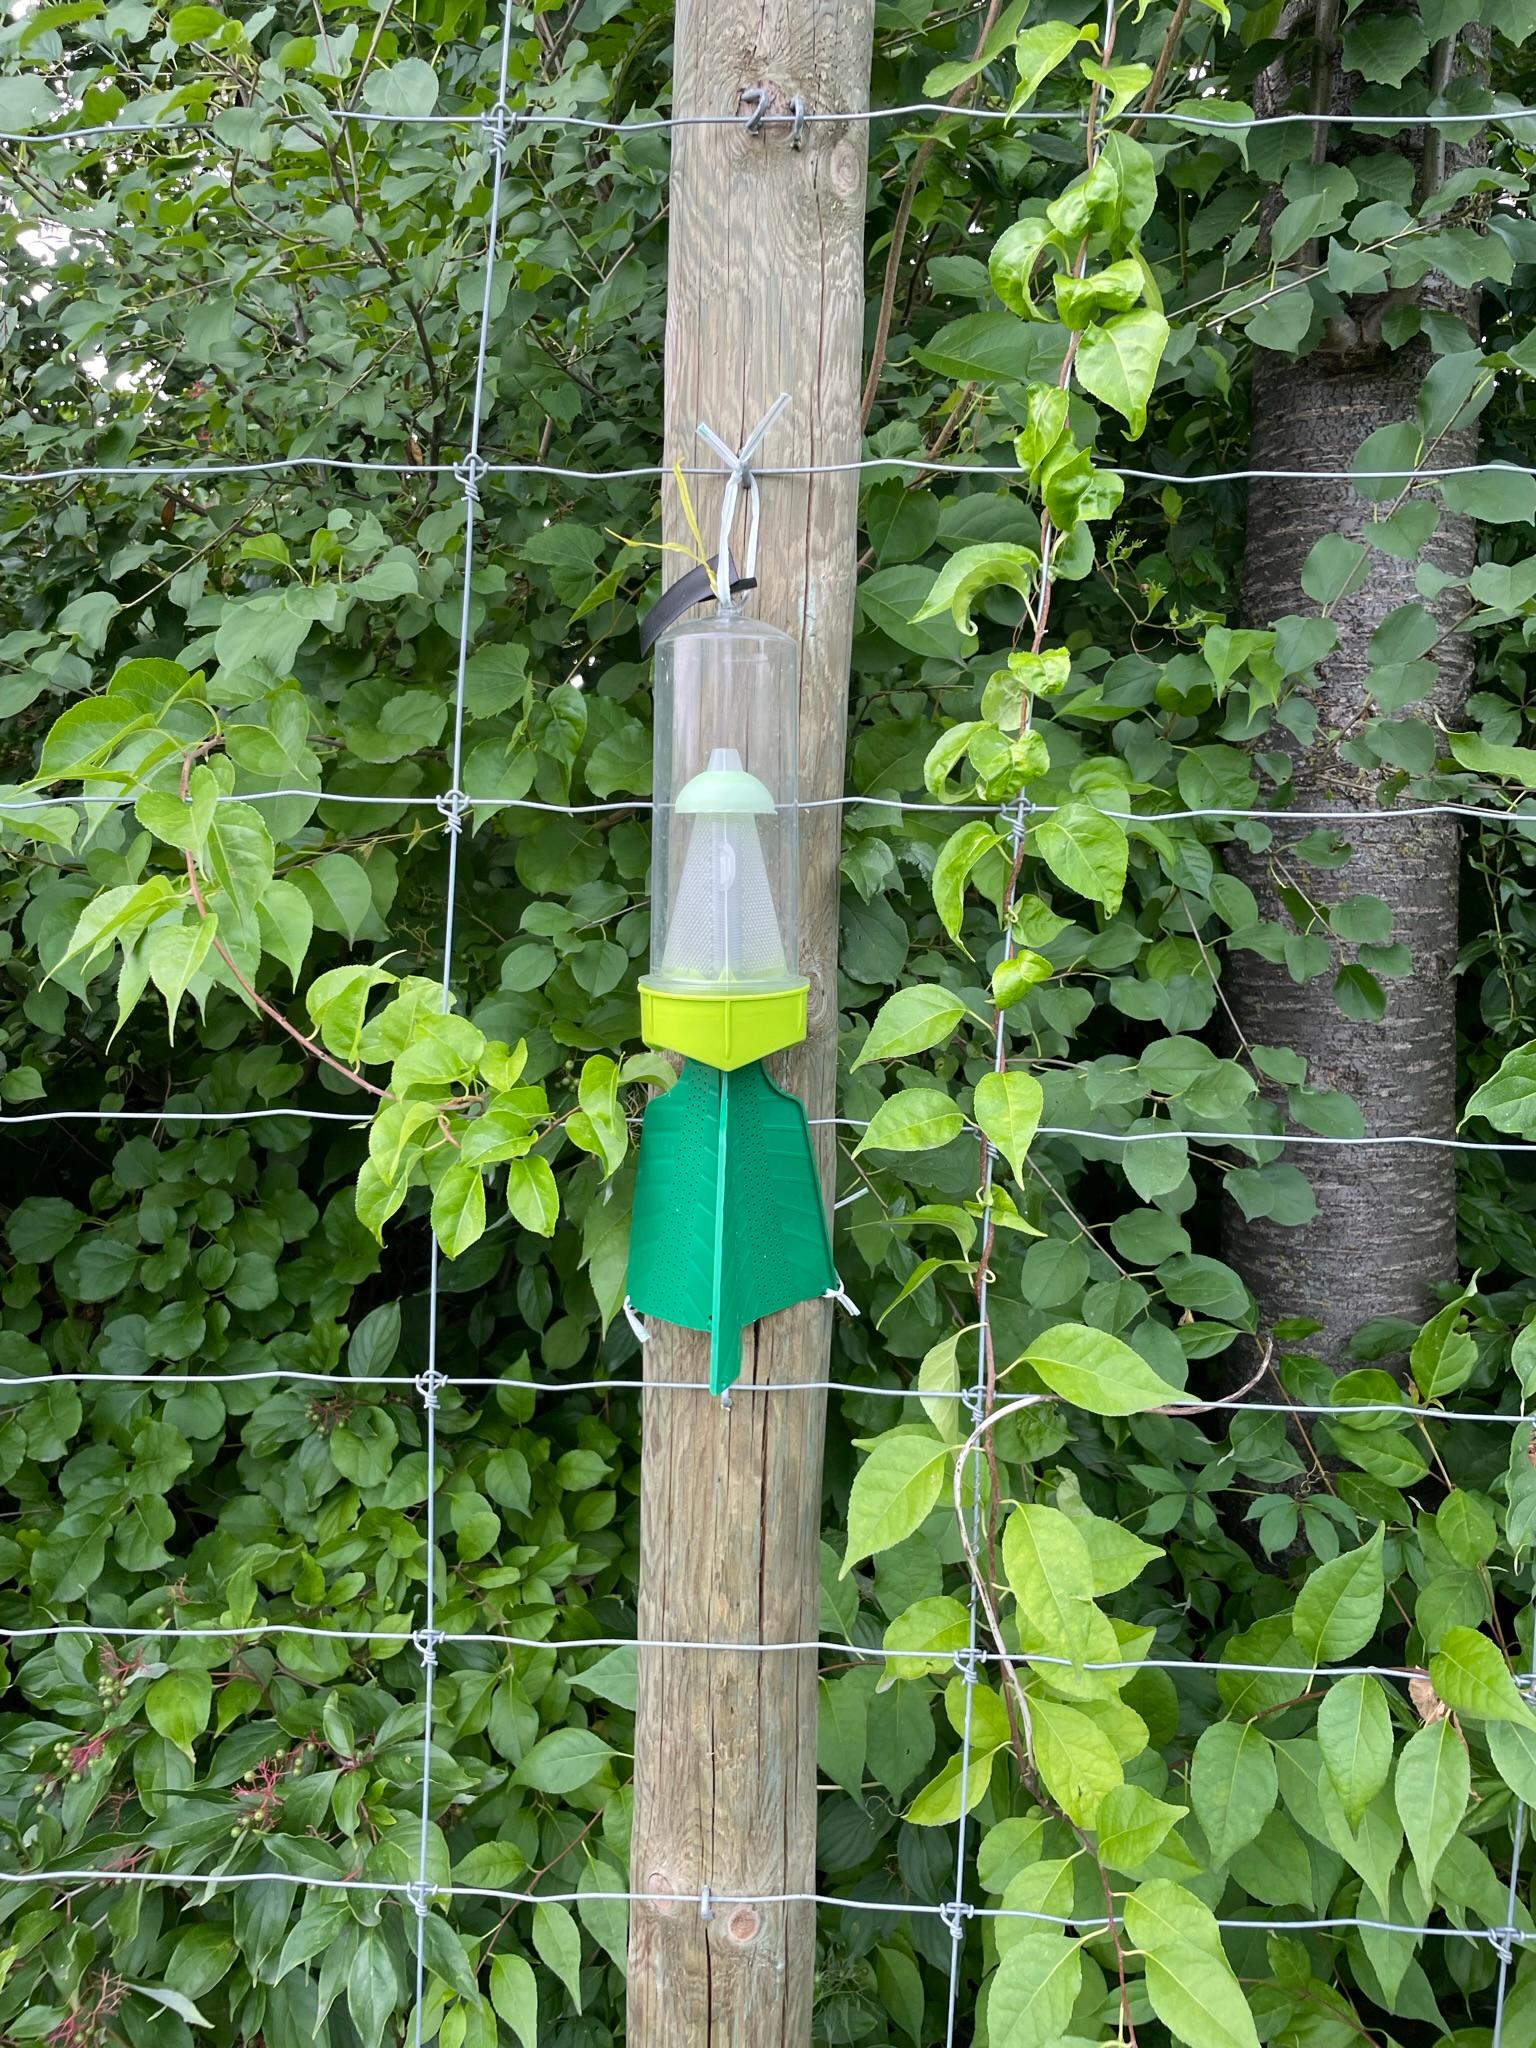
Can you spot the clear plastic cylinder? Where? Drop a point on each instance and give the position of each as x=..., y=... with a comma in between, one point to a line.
x=725, y=872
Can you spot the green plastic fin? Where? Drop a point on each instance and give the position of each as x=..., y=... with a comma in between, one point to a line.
x=729, y=1224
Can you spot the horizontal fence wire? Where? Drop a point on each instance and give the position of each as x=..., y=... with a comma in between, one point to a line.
x=1368, y=1141
x=1371, y=1141
x=959, y=1659
x=451, y=801
x=920, y=465
x=503, y=119
x=1233, y=1405
x=428, y=1890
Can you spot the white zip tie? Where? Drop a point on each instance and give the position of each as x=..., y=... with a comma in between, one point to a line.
x=642, y=1334
x=740, y=476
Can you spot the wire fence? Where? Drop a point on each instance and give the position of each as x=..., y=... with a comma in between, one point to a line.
x=499, y=126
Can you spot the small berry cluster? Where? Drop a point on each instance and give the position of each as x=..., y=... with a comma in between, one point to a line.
x=116, y=1675
x=260, y=1790
x=74, y=1759
x=88, y=2024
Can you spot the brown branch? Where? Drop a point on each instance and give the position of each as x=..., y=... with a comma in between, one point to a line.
x=1161, y=69
x=899, y=226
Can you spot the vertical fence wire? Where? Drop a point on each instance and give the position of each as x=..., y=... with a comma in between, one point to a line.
x=497, y=128
x=1504, y=1938
x=979, y=1396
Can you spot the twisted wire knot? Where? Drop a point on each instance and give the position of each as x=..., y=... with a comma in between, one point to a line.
x=954, y=1913
x=499, y=123
x=429, y=1385
x=469, y=470
x=455, y=807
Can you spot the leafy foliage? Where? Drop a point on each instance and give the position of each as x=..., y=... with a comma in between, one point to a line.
x=281, y=283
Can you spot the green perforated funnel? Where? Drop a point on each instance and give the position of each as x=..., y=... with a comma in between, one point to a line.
x=729, y=1224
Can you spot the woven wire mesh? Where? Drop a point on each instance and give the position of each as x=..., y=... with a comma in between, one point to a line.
x=497, y=126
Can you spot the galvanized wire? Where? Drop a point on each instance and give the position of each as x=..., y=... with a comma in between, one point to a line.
x=660, y=124
x=898, y=1908
x=921, y=465
x=470, y=471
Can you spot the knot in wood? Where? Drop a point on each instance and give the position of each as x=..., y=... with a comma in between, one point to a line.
x=661, y=1892
x=743, y=1925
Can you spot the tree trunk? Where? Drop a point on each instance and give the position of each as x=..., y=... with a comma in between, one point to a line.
x=765, y=294
x=1385, y=1235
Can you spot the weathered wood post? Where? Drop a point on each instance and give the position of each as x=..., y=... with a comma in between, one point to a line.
x=765, y=293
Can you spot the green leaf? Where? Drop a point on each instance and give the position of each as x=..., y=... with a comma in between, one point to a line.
x=1085, y=850
x=1013, y=978
x=1339, y=1608
x=1232, y=1785
x=563, y=1761
x=599, y=1124
x=178, y=1705
x=1189, y=1979
x=532, y=1195
x=172, y=2001
x=1008, y=1107
x=899, y=1987
x=515, y=1995
x=1384, y=47
x=373, y=1987
x=952, y=870
x=911, y=1021
x=1443, y=1356
x=558, y=1941
x=1354, y=1731
x=174, y=954
x=1118, y=362
x=458, y=1208
x=26, y=103
x=1197, y=1995
x=1040, y=50
x=1508, y=1101
x=917, y=1120
x=969, y=572
x=1097, y=1372
x=1470, y=1675
x=1503, y=764
x=1075, y=1758
x=1132, y=1826
x=1500, y=497
x=893, y=1491
x=1317, y=195
x=1334, y=568
x=409, y=87
x=1045, y=1560
x=1031, y=1996
x=1433, y=1783
x=1016, y=254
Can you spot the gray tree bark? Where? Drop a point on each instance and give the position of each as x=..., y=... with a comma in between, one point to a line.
x=1385, y=1235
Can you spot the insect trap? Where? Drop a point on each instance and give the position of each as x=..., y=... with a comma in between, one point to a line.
x=729, y=1224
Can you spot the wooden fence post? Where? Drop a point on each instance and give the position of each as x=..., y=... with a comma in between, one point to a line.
x=765, y=293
